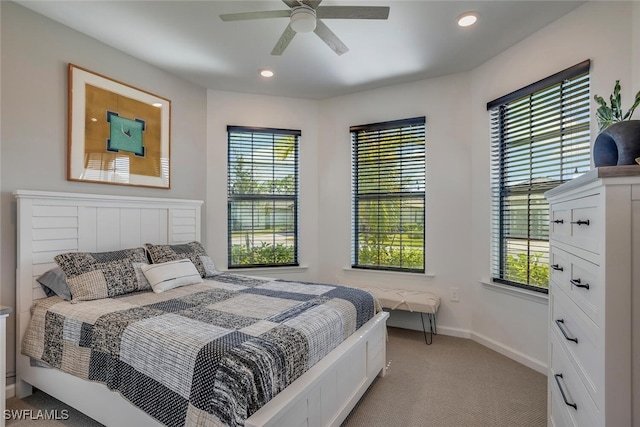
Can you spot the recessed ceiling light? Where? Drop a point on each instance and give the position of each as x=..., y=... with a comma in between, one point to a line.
x=157, y=104
x=467, y=19
x=265, y=72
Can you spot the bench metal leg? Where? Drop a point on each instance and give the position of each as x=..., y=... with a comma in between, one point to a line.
x=432, y=327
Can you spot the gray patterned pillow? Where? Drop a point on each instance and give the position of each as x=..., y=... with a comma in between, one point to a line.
x=192, y=251
x=103, y=274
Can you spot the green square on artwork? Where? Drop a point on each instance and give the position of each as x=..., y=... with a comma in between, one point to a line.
x=125, y=135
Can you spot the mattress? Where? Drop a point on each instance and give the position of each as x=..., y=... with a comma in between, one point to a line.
x=208, y=354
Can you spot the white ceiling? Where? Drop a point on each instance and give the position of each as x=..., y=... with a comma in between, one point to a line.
x=419, y=40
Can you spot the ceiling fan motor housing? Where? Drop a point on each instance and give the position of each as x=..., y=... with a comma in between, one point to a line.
x=303, y=19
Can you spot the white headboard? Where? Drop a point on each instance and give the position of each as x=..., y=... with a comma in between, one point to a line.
x=51, y=223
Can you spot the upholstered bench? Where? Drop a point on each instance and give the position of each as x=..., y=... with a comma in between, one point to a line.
x=423, y=302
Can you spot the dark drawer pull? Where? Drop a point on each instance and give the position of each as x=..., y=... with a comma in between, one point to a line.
x=559, y=221
x=560, y=322
x=557, y=267
x=581, y=222
x=576, y=282
x=564, y=396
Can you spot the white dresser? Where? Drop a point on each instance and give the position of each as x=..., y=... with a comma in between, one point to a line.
x=4, y=313
x=594, y=300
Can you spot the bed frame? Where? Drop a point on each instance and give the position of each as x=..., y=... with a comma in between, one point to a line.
x=50, y=223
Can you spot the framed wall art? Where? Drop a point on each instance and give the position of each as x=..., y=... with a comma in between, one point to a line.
x=118, y=134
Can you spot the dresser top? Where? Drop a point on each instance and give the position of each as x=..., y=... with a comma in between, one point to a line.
x=595, y=174
x=4, y=311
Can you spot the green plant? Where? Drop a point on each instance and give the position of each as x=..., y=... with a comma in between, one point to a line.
x=608, y=115
x=528, y=270
x=381, y=255
x=266, y=253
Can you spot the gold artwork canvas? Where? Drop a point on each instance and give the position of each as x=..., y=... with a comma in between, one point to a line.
x=118, y=134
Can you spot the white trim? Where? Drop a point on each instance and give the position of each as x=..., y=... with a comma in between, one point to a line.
x=10, y=391
x=267, y=270
x=485, y=341
x=389, y=272
x=534, y=296
x=454, y=332
x=50, y=195
x=511, y=353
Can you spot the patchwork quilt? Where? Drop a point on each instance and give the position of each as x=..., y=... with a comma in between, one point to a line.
x=209, y=354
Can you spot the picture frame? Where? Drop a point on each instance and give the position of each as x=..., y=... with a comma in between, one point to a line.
x=117, y=133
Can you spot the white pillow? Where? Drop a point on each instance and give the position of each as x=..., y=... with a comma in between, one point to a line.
x=172, y=274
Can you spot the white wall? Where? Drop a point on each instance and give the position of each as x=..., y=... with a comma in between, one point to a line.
x=518, y=323
x=458, y=207
x=444, y=103
x=228, y=108
x=35, y=54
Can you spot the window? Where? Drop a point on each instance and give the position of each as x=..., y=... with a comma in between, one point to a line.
x=389, y=195
x=539, y=139
x=262, y=197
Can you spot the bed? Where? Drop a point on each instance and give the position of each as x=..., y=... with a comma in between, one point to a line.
x=50, y=224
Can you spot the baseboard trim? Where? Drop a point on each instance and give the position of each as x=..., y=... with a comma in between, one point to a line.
x=11, y=391
x=481, y=339
x=453, y=332
x=511, y=353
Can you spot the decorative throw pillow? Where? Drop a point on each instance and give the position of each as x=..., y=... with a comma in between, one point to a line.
x=172, y=274
x=54, y=282
x=192, y=251
x=95, y=275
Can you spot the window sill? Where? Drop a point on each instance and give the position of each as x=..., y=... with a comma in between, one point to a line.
x=516, y=292
x=389, y=272
x=270, y=270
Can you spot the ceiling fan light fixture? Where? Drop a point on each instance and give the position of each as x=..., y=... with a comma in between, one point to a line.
x=303, y=19
x=467, y=19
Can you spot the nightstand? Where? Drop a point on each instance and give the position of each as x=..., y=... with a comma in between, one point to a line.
x=4, y=313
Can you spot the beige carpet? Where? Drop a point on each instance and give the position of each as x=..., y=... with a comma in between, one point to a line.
x=453, y=382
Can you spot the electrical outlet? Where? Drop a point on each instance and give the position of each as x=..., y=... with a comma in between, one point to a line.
x=454, y=295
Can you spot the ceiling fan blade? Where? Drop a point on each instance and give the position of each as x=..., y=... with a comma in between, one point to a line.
x=283, y=41
x=352, y=12
x=327, y=36
x=312, y=3
x=291, y=3
x=256, y=15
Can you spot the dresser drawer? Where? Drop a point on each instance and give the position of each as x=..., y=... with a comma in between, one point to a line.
x=559, y=266
x=579, y=279
x=558, y=410
x=568, y=392
x=579, y=335
x=576, y=222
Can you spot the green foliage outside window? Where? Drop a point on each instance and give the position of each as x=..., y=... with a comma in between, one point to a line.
x=391, y=256
x=534, y=272
x=266, y=253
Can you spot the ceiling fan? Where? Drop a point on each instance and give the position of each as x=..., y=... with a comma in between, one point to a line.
x=305, y=16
